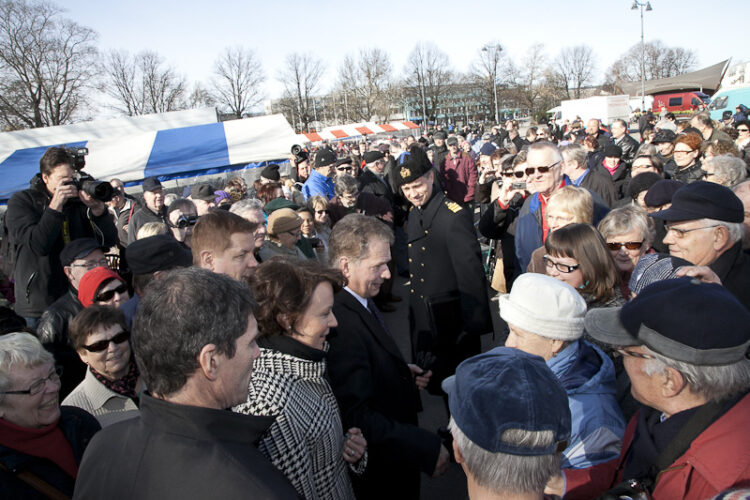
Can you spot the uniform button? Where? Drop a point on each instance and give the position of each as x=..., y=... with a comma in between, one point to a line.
x=421, y=296
x=422, y=264
x=422, y=280
x=410, y=260
x=412, y=291
x=423, y=249
x=426, y=231
x=409, y=245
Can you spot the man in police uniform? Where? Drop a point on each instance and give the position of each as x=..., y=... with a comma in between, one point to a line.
x=448, y=306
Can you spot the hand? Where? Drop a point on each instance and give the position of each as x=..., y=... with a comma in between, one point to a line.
x=354, y=445
x=63, y=193
x=555, y=485
x=703, y=273
x=507, y=193
x=97, y=207
x=443, y=461
x=421, y=379
x=388, y=217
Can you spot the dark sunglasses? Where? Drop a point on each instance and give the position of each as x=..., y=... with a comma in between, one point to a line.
x=511, y=174
x=519, y=175
x=743, y=130
x=100, y=346
x=105, y=296
x=630, y=245
x=344, y=169
x=184, y=222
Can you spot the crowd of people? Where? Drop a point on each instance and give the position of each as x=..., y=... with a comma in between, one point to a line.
x=230, y=341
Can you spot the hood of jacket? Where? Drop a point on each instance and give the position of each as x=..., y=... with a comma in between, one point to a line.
x=583, y=368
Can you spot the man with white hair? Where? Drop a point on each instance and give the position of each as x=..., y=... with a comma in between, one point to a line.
x=691, y=372
x=727, y=170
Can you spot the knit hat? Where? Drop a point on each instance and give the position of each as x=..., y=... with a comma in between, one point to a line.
x=91, y=282
x=544, y=306
x=271, y=172
x=612, y=151
x=283, y=220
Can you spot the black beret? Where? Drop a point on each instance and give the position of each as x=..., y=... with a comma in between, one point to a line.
x=642, y=182
x=372, y=156
x=157, y=253
x=664, y=136
x=151, y=184
x=78, y=249
x=413, y=165
x=271, y=172
x=703, y=200
x=613, y=151
x=661, y=192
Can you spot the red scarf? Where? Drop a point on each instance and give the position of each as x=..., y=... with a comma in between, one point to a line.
x=610, y=170
x=543, y=212
x=48, y=442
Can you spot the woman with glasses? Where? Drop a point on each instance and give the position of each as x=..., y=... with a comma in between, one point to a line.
x=110, y=389
x=687, y=153
x=578, y=255
x=283, y=233
x=743, y=140
x=629, y=233
x=41, y=444
x=103, y=286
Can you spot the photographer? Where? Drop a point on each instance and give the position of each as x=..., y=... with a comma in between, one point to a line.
x=41, y=220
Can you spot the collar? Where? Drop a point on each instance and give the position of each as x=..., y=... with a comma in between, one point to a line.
x=724, y=263
x=356, y=296
x=291, y=346
x=578, y=180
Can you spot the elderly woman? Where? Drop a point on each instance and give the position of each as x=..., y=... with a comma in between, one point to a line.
x=110, y=389
x=283, y=233
x=41, y=444
x=306, y=441
x=577, y=255
x=629, y=233
x=103, y=286
x=727, y=170
x=555, y=332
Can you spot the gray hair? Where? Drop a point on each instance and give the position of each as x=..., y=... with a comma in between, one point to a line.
x=503, y=472
x=19, y=349
x=544, y=145
x=246, y=205
x=715, y=383
x=704, y=119
x=735, y=229
x=180, y=314
x=729, y=168
x=621, y=122
x=352, y=236
x=574, y=152
x=170, y=198
x=624, y=219
x=345, y=184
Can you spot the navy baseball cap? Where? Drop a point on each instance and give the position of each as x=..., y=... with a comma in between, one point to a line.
x=487, y=149
x=703, y=200
x=682, y=319
x=151, y=184
x=78, y=249
x=506, y=389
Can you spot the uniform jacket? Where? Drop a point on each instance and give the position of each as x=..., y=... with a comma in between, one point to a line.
x=105, y=404
x=39, y=235
x=588, y=376
x=143, y=216
x=376, y=392
x=78, y=427
x=177, y=452
x=318, y=184
x=716, y=460
x=459, y=177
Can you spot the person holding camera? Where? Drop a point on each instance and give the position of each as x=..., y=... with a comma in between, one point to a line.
x=41, y=220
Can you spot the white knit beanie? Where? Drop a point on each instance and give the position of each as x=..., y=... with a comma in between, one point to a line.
x=545, y=306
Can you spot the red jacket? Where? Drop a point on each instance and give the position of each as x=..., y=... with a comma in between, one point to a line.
x=459, y=177
x=718, y=459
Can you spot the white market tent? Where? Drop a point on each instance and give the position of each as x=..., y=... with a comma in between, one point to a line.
x=338, y=132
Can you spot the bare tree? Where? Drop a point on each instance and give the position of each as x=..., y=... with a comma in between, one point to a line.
x=369, y=79
x=200, y=97
x=46, y=63
x=427, y=77
x=143, y=84
x=574, y=68
x=300, y=77
x=487, y=71
x=238, y=79
x=528, y=77
x=660, y=61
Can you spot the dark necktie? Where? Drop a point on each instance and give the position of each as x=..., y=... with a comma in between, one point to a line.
x=375, y=312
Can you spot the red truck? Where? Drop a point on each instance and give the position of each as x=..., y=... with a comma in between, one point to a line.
x=681, y=103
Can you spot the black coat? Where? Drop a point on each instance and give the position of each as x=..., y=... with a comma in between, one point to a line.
x=78, y=427
x=376, y=392
x=143, y=216
x=733, y=269
x=39, y=235
x=180, y=452
x=601, y=184
x=445, y=265
x=629, y=147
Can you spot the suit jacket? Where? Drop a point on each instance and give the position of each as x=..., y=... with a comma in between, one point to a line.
x=376, y=392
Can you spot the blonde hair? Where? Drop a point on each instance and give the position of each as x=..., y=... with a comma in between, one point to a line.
x=575, y=201
x=151, y=229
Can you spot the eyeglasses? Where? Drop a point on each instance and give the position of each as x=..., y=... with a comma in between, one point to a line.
x=105, y=296
x=541, y=170
x=321, y=212
x=624, y=352
x=344, y=169
x=743, y=130
x=91, y=264
x=638, y=167
x=511, y=174
x=183, y=221
x=38, y=386
x=682, y=151
x=519, y=174
x=563, y=268
x=682, y=232
x=100, y=346
x=630, y=245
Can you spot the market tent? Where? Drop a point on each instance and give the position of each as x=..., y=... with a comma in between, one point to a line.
x=336, y=132
x=706, y=79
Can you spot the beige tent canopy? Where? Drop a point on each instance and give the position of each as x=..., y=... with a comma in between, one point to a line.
x=706, y=80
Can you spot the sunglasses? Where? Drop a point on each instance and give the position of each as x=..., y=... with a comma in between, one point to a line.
x=321, y=212
x=519, y=175
x=344, y=169
x=541, y=170
x=630, y=245
x=184, y=222
x=100, y=346
x=512, y=174
x=743, y=130
x=105, y=296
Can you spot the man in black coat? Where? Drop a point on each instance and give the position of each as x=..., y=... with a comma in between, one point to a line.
x=620, y=137
x=153, y=209
x=41, y=220
x=448, y=304
x=196, y=360
x=375, y=388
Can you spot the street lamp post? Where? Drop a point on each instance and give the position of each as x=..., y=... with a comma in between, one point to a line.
x=492, y=50
x=647, y=6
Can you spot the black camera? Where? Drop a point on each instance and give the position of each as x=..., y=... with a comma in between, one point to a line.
x=300, y=154
x=78, y=155
x=99, y=190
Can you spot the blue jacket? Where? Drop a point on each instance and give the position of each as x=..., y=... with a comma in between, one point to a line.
x=318, y=184
x=597, y=424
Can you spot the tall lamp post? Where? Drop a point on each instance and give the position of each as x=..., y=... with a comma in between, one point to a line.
x=493, y=51
x=647, y=6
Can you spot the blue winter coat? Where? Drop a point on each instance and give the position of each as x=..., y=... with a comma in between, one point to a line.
x=588, y=376
x=318, y=184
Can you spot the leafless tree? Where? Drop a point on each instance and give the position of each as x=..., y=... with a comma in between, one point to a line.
x=427, y=77
x=660, y=61
x=46, y=62
x=487, y=70
x=300, y=77
x=143, y=83
x=528, y=77
x=238, y=79
x=574, y=68
x=200, y=97
x=369, y=79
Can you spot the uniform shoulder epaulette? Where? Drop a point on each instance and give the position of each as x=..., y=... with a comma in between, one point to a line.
x=453, y=206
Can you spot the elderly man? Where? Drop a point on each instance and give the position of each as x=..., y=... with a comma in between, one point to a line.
x=594, y=129
x=440, y=149
x=122, y=207
x=448, y=303
x=727, y=170
x=373, y=178
x=224, y=243
x=575, y=167
x=349, y=199
x=458, y=175
x=252, y=210
x=510, y=421
x=153, y=211
x=320, y=181
x=376, y=389
x=691, y=372
x=703, y=122
x=203, y=197
x=705, y=227
x=621, y=138
x=194, y=340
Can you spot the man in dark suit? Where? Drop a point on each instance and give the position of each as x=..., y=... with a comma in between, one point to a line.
x=376, y=389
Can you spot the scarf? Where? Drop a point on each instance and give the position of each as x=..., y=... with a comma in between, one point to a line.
x=124, y=386
x=48, y=442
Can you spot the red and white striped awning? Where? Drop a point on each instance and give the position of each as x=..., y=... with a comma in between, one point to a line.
x=356, y=130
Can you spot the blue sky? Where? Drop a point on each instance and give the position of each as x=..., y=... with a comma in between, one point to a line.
x=190, y=34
